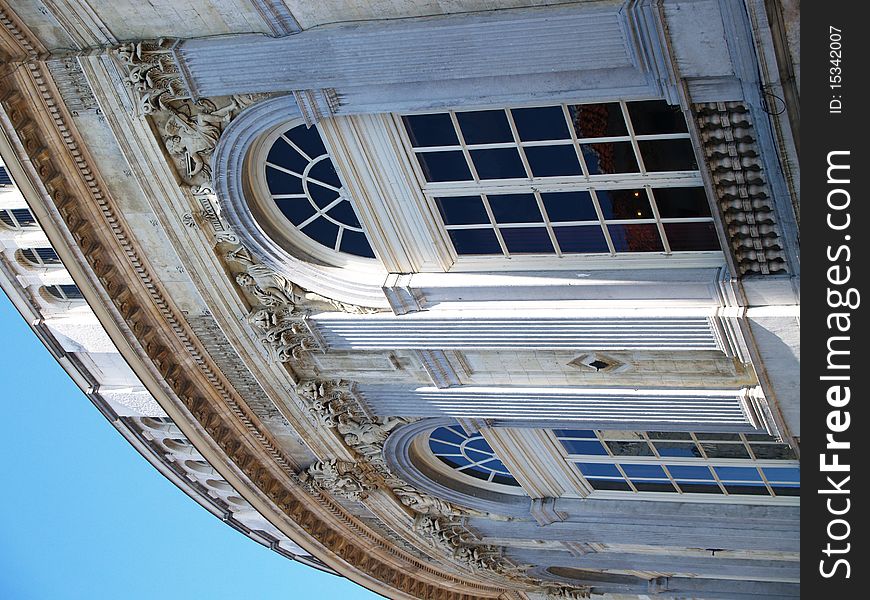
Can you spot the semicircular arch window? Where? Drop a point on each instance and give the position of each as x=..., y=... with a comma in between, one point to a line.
x=469, y=454
x=306, y=188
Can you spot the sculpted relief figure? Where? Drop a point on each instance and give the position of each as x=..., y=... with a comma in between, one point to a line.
x=283, y=330
x=366, y=437
x=423, y=503
x=338, y=477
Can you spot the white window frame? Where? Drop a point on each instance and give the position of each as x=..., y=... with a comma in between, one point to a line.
x=678, y=495
x=296, y=241
x=587, y=182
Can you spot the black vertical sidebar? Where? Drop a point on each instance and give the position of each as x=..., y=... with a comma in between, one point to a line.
x=835, y=229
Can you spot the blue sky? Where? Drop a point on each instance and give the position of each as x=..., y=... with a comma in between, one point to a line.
x=83, y=515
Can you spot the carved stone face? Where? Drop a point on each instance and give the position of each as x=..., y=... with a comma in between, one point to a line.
x=174, y=145
x=262, y=319
x=244, y=280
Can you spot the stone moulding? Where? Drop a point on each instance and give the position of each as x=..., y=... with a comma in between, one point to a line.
x=125, y=277
x=742, y=194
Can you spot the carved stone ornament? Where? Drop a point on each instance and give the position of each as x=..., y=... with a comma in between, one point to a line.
x=569, y=593
x=190, y=128
x=453, y=536
x=341, y=478
x=334, y=404
x=424, y=503
x=728, y=139
x=152, y=73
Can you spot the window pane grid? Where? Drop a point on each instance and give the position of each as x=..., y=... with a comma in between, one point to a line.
x=469, y=454
x=640, y=466
x=308, y=192
x=605, y=133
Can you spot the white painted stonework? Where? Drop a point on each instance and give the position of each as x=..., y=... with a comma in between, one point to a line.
x=428, y=423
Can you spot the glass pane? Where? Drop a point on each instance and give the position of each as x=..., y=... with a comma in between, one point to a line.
x=597, y=120
x=630, y=448
x=535, y=124
x=498, y=163
x=582, y=239
x=781, y=490
x=654, y=486
x=355, y=242
x=297, y=210
x=690, y=472
x=737, y=473
x=773, y=451
x=668, y=155
x=475, y=241
x=484, y=127
x=479, y=444
x=609, y=157
x=476, y=455
x=444, y=166
x=609, y=484
x=635, y=238
x=576, y=433
x=343, y=213
x=553, y=161
x=782, y=474
x=656, y=116
x=718, y=437
x=624, y=204
x=747, y=489
x=668, y=435
x=308, y=140
x=714, y=450
x=322, y=196
x=462, y=210
x=583, y=447
x=643, y=471
x=280, y=182
x=323, y=231
x=527, y=240
x=515, y=208
x=682, y=202
x=440, y=448
x=325, y=173
x=699, y=488
x=677, y=449
x=685, y=237
x=569, y=206
x=505, y=480
x=430, y=130
x=599, y=470
x=283, y=155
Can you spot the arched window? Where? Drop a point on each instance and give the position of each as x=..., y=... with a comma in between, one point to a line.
x=469, y=454
x=64, y=292
x=40, y=257
x=305, y=188
x=671, y=463
x=17, y=218
x=606, y=179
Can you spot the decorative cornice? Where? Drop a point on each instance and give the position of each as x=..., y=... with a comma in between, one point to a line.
x=162, y=335
x=744, y=199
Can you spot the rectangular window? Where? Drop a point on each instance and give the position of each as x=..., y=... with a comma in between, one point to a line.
x=723, y=464
x=573, y=179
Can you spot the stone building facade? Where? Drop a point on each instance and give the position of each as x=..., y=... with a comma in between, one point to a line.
x=454, y=299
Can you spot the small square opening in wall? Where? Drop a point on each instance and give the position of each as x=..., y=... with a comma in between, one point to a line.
x=599, y=363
